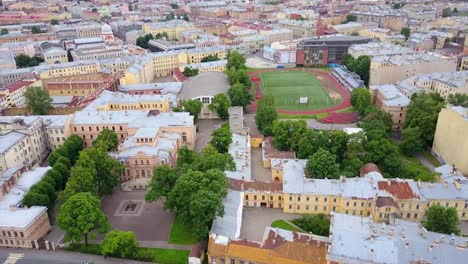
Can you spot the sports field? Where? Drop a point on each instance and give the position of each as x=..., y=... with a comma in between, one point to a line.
x=288, y=86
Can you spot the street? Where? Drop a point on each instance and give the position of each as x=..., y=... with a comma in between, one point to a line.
x=33, y=256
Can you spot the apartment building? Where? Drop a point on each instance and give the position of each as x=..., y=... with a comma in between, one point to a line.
x=391, y=69
x=105, y=51
x=15, y=92
x=7, y=60
x=152, y=88
x=78, y=30
x=53, y=53
x=18, y=37
x=120, y=28
x=21, y=227
x=80, y=85
x=359, y=239
x=391, y=100
x=173, y=28
x=20, y=48
x=450, y=141
x=373, y=49
x=299, y=28
x=57, y=129
x=117, y=101
x=275, y=35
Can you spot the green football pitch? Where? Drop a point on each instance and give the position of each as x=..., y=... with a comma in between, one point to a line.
x=288, y=87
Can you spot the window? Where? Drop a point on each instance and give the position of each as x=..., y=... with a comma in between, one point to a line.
x=334, y=200
x=271, y=198
x=255, y=197
x=233, y=261
x=316, y=199
x=307, y=198
x=408, y=215
x=246, y=197
x=417, y=207
x=415, y=216
x=298, y=207
x=263, y=197
x=315, y=208
x=290, y=198
x=402, y=205
x=446, y=204
x=307, y=207
x=334, y=208
x=347, y=203
x=355, y=204
x=290, y=207
x=325, y=199
x=298, y=198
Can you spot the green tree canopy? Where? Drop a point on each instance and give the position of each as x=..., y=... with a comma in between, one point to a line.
x=36, y=30
x=412, y=141
x=162, y=183
x=288, y=133
x=185, y=17
x=80, y=216
x=3, y=31
x=58, y=179
x=351, y=18
x=458, y=99
x=266, y=114
x=239, y=95
x=446, y=12
x=197, y=197
x=82, y=179
x=322, y=164
x=54, y=22
x=36, y=199
x=38, y=100
x=220, y=105
x=361, y=100
x=24, y=61
x=210, y=158
x=236, y=61
x=406, y=31
x=360, y=65
x=64, y=172
x=193, y=106
x=142, y=41
x=107, y=139
x=310, y=142
x=315, y=224
x=189, y=72
x=121, y=244
x=221, y=138
x=442, y=220
x=210, y=58
x=238, y=76
x=423, y=112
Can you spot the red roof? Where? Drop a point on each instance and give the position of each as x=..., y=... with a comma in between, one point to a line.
x=17, y=85
x=367, y=168
x=401, y=190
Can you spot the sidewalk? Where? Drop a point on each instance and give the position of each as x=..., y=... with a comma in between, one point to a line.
x=154, y=244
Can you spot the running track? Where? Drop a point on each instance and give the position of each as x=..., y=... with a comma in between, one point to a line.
x=337, y=86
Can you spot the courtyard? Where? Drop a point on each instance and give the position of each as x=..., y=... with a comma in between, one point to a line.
x=130, y=211
x=255, y=219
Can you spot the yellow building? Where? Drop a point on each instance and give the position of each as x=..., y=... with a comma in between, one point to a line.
x=450, y=139
x=173, y=28
x=116, y=101
x=390, y=100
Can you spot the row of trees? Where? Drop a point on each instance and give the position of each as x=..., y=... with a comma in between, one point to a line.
x=143, y=40
x=315, y=224
x=239, y=93
x=38, y=100
x=210, y=58
x=266, y=114
x=360, y=65
x=458, y=99
x=24, y=61
x=197, y=185
x=44, y=192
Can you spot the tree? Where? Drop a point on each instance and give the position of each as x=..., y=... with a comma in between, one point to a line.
x=53, y=157
x=238, y=76
x=108, y=170
x=310, y=142
x=360, y=65
x=80, y=216
x=377, y=124
x=94, y=9
x=197, y=197
x=3, y=31
x=210, y=158
x=423, y=112
x=54, y=22
x=361, y=100
x=36, y=199
x=174, y=6
x=220, y=105
x=446, y=12
x=107, y=139
x=221, y=138
x=189, y=72
x=266, y=114
x=338, y=144
x=412, y=142
x=186, y=156
x=162, y=183
x=239, y=95
x=64, y=172
x=458, y=99
x=65, y=161
x=82, y=179
x=38, y=100
x=193, y=106
x=58, y=179
x=441, y=220
x=143, y=40
x=350, y=167
x=315, y=224
x=210, y=58
x=406, y=31
x=24, y=61
x=288, y=133
x=322, y=164
x=235, y=61
x=351, y=18
x=185, y=17
x=36, y=30
x=380, y=149
x=121, y=244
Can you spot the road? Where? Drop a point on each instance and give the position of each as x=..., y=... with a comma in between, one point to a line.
x=32, y=256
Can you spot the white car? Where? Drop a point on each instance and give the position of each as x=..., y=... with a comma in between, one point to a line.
x=217, y=126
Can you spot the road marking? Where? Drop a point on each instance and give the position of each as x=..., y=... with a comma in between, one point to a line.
x=13, y=258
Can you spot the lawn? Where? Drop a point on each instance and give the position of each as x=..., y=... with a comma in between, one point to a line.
x=312, y=116
x=284, y=225
x=181, y=233
x=156, y=255
x=421, y=172
x=428, y=155
x=288, y=87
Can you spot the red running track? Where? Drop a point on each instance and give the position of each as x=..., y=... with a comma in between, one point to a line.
x=339, y=88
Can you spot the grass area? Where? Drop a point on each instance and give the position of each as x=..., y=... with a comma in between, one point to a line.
x=284, y=225
x=346, y=110
x=288, y=86
x=157, y=255
x=313, y=116
x=181, y=233
x=418, y=170
x=431, y=158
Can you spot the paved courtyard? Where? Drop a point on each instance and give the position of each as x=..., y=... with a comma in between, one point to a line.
x=205, y=127
x=255, y=219
x=129, y=211
x=258, y=172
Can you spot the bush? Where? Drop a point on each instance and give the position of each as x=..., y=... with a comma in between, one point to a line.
x=317, y=224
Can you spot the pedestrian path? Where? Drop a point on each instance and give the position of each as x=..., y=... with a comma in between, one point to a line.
x=154, y=244
x=13, y=258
